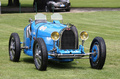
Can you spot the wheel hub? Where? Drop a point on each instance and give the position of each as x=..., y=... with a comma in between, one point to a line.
x=12, y=48
x=38, y=57
x=95, y=50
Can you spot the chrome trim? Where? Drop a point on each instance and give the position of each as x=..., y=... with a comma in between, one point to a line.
x=87, y=37
x=76, y=56
x=61, y=32
x=25, y=47
x=58, y=38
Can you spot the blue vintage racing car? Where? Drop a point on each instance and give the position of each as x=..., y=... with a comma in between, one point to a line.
x=55, y=41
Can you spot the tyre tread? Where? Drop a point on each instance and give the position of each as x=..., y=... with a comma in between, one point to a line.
x=102, y=56
x=17, y=46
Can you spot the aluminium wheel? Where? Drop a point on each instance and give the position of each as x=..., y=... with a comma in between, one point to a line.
x=14, y=47
x=98, y=47
x=40, y=54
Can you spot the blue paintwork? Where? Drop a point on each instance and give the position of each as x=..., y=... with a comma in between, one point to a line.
x=94, y=58
x=44, y=30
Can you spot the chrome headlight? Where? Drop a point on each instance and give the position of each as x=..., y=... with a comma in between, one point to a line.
x=55, y=36
x=84, y=35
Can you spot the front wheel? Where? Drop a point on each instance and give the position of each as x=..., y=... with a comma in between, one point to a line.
x=67, y=10
x=40, y=54
x=97, y=47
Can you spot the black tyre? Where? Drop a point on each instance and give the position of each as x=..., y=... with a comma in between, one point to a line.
x=40, y=54
x=14, y=47
x=74, y=29
x=68, y=10
x=98, y=59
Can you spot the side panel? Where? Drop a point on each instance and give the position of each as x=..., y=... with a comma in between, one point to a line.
x=48, y=41
x=29, y=33
x=26, y=37
x=27, y=40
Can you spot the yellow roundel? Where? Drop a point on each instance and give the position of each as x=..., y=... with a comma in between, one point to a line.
x=84, y=35
x=55, y=36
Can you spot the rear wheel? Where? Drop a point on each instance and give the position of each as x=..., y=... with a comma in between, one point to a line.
x=98, y=47
x=40, y=54
x=14, y=47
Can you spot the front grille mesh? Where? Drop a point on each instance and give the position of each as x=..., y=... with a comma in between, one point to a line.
x=68, y=40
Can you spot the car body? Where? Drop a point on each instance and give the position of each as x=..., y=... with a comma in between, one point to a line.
x=58, y=5
x=51, y=5
x=56, y=41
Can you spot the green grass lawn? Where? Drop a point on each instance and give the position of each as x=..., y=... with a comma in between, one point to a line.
x=103, y=24
x=76, y=3
x=95, y=3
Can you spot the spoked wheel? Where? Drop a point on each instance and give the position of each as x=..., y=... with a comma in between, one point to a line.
x=40, y=54
x=38, y=57
x=14, y=47
x=98, y=47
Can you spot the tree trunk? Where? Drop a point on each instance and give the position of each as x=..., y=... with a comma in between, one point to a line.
x=40, y=4
x=16, y=3
x=10, y=3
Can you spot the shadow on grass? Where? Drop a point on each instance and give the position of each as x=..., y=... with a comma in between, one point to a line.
x=28, y=60
x=63, y=65
x=56, y=65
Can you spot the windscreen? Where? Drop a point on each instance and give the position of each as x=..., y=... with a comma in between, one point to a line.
x=40, y=16
x=56, y=16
